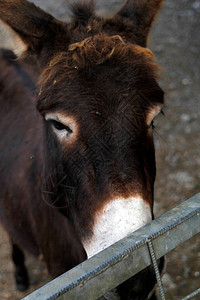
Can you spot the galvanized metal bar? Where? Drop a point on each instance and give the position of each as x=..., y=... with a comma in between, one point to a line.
x=156, y=269
x=109, y=268
x=192, y=295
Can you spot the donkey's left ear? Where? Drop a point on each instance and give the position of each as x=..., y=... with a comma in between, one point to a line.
x=33, y=30
x=142, y=13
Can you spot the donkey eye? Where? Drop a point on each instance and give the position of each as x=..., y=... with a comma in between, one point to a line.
x=59, y=126
x=152, y=115
x=64, y=127
x=153, y=125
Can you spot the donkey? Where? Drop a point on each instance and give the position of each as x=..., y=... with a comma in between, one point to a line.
x=77, y=153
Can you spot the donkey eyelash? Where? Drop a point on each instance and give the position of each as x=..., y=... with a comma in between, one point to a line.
x=162, y=112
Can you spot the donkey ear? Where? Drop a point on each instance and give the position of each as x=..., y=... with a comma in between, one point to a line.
x=13, y=42
x=141, y=13
x=108, y=9
x=34, y=28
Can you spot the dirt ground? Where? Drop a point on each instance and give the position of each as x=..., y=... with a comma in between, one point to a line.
x=175, y=40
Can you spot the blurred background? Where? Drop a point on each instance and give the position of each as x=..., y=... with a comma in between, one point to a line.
x=175, y=41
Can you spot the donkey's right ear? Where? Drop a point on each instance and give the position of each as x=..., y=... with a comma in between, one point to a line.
x=36, y=31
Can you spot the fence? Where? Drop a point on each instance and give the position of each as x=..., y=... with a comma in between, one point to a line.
x=106, y=270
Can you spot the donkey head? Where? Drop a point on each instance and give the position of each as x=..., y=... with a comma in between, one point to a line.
x=98, y=96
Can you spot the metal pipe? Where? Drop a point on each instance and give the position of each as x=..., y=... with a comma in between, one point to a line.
x=117, y=263
x=190, y=296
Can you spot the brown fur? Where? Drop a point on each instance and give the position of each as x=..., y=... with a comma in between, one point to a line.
x=99, y=71
x=35, y=226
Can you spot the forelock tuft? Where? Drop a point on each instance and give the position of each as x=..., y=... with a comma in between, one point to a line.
x=95, y=50
x=101, y=49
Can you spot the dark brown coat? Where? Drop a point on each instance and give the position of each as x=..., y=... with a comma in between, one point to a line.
x=99, y=72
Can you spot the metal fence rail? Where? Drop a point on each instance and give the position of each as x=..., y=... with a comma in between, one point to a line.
x=106, y=270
